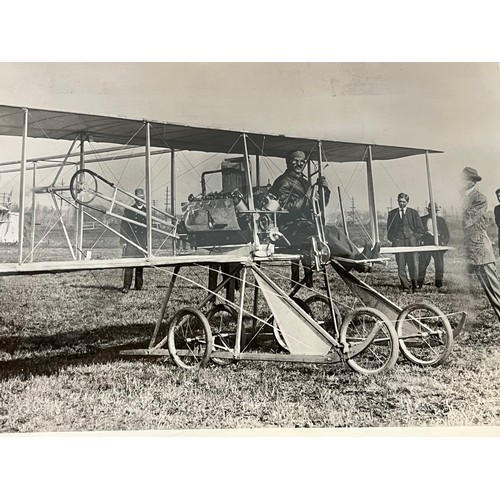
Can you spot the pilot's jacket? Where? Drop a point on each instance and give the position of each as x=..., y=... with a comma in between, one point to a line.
x=294, y=194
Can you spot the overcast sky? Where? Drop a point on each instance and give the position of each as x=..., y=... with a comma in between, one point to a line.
x=454, y=107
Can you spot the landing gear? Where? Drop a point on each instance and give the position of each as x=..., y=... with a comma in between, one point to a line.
x=372, y=341
x=190, y=339
x=425, y=334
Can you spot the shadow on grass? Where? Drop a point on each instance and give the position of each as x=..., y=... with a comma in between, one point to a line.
x=50, y=354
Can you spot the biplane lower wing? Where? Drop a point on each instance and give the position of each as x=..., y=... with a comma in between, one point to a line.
x=47, y=267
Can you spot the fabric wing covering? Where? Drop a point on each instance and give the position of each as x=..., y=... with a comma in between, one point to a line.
x=125, y=131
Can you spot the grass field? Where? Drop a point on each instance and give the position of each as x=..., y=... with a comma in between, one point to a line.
x=60, y=367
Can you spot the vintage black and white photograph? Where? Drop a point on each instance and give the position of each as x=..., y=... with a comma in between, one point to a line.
x=209, y=246
x=249, y=249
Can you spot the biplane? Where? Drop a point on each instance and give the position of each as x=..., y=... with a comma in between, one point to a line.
x=232, y=237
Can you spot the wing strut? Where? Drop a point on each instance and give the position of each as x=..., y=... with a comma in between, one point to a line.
x=22, y=185
x=431, y=199
x=149, y=230
x=79, y=210
x=371, y=198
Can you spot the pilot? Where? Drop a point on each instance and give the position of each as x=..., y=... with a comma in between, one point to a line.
x=294, y=193
x=136, y=234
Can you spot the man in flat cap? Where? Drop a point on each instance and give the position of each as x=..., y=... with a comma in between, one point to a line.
x=294, y=193
x=478, y=247
x=134, y=230
x=428, y=239
x=405, y=229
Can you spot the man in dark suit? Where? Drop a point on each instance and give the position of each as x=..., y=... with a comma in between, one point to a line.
x=135, y=233
x=428, y=239
x=405, y=229
x=497, y=218
x=478, y=247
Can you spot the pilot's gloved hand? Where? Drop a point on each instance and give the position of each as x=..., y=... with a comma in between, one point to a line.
x=323, y=183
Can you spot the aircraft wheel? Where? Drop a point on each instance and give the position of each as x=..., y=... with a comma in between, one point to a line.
x=276, y=329
x=190, y=339
x=223, y=321
x=425, y=334
x=380, y=354
x=83, y=187
x=320, y=311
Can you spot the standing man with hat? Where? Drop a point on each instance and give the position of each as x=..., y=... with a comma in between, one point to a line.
x=428, y=239
x=478, y=247
x=134, y=230
x=405, y=229
x=497, y=218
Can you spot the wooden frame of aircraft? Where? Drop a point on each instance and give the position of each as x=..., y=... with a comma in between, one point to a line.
x=247, y=248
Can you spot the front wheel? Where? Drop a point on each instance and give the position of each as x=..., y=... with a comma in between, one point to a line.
x=190, y=339
x=425, y=334
x=371, y=339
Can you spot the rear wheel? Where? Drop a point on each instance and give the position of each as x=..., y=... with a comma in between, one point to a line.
x=371, y=339
x=223, y=322
x=425, y=334
x=190, y=339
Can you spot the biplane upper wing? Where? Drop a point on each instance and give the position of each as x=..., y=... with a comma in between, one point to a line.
x=119, y=130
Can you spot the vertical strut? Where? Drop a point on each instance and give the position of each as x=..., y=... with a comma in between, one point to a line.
x=33, y=213
x=322, y=202
x=172, y=192
x=251, y=204
x=79, y=210
x=22, y=186
x=431, y=199
x=149, y=226
x=371, y=197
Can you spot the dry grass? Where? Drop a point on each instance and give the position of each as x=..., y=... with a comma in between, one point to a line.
x=60, y=369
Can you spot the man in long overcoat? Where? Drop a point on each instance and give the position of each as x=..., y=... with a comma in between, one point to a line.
x=478, y=247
